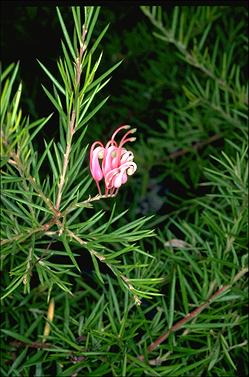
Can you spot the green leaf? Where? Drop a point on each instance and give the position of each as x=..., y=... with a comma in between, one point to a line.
x=87, y=104
x=52, y=78
x=91, y=23
x=70, y=46
x=88, y=12
x=92, y=113
x=77, y=22
x=96, y=267
x=28, y=203
x=48, y=146
x=14, y=284
x=68, y=63
x=16, y=103
x=6, y=72
x=175, y=21
x=52, y=164
x=183, y=290
x=38, y=124
x=55, y=102
x=17, y=336
x=172, y=301
x=69, y=252
x=96, y=43
x=19, y=360
x=101, y=78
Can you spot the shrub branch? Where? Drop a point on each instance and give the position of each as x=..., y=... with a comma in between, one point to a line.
x=192, y=315
x=72, y=123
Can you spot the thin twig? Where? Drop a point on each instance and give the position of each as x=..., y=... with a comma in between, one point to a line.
x=16, y=162
x=17, y=343
x=178, y=325
x=72, y=123
x=55, y=220
x=66, y=159
x=18, y=237
x=198, y=145
x=81, y=53
x=103, y=260
x=96, y=197
x=87, y=201
x=21, y=237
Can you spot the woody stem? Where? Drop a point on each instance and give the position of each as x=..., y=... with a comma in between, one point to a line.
x=72, y=123
x=194, y=313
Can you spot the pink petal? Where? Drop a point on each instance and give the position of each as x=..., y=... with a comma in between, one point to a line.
x=95, y=165
x=108, y=158
x=127, y=156
x=109, y=178
x=117, y=180
x=124, y=178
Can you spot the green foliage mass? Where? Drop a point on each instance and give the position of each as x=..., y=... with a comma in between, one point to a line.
x=116, y=281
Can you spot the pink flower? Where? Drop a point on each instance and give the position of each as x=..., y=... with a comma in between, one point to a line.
x=117, y=162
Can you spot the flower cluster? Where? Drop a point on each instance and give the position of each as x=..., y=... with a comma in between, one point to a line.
x=117, y=162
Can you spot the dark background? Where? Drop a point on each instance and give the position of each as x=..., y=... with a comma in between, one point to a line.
x=33, y=32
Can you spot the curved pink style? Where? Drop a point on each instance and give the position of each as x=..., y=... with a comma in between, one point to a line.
x=117, y=162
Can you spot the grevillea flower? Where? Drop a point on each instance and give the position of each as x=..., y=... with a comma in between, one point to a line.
x=113, y=163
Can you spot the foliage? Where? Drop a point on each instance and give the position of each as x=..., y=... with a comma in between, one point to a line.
x=190, y=89
x=74, y=262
